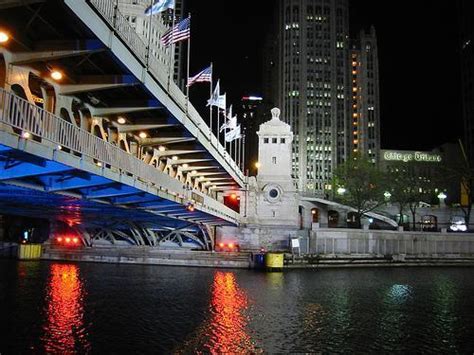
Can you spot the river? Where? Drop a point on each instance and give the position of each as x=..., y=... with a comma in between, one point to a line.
x=101, y=308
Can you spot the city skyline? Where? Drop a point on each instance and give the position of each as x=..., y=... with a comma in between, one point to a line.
x=408, y=116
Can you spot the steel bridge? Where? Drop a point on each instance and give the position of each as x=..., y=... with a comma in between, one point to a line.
x=113, y=149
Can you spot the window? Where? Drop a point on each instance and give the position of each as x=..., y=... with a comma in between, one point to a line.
x=282, y=140
x=274, y=160
x=265, y=140
x=274, y=140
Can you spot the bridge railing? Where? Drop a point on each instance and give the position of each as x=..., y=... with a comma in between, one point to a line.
x=33, y=121
x=157, y=64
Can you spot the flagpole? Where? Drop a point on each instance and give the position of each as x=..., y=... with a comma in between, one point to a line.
x=243, y=155
x=210, y=108
x=171, y=69
x=187, y=68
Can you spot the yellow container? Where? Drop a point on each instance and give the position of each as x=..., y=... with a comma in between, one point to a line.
x=274, y=261
x=29, y=251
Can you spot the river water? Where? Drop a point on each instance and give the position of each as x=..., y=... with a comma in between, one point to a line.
x=99, y=308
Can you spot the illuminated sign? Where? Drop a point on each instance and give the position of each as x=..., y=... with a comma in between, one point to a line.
x=252, y=98
x=411, y=156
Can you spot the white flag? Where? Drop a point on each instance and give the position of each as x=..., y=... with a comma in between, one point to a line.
x=217, y=99
x=230, y=124
x=233, y=134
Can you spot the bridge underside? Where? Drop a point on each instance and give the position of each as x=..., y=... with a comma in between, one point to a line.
x=36, y=187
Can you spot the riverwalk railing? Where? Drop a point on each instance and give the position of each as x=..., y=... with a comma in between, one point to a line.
x=157, y=61
x=35, y=123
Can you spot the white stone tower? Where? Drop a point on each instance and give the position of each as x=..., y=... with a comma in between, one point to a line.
x=276, y=196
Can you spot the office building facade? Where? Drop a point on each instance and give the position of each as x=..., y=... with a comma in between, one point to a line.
x=315, y=89
x=151, y=28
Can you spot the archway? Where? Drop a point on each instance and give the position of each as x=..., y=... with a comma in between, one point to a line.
x=333, y=219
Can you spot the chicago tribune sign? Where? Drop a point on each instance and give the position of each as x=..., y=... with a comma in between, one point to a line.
x=411, y=156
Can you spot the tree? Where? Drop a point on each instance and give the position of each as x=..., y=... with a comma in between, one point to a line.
x=408, y=189
x=462, y=172
x=360, y=184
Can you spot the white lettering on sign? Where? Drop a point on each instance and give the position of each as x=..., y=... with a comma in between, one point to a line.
x=412, y=156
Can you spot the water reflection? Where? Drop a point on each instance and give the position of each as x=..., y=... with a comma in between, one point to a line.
x=225, y=331
x=64, y=330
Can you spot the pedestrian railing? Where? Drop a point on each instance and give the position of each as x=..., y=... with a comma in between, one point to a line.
x=157, y=61
x=33, y=122
x=381, y=246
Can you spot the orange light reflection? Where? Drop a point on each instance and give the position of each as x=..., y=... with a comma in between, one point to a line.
x=228, y=323
x=64, y=329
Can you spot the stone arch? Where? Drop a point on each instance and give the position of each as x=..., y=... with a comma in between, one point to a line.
x=19, y=91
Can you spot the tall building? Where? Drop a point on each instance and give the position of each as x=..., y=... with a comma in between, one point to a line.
x=314, y=87
x=151, y=28
x=466, y=38
x=365, y=95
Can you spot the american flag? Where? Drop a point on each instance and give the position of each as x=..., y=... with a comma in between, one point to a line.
x=202, y=76
x=179, y=32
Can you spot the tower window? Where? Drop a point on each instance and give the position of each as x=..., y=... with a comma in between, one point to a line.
x=265, y=140
x=274, y=140
x=274, y=160
x=282, y=140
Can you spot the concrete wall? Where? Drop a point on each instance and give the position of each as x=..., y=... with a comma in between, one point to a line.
x=354, y=241
x=253, y=237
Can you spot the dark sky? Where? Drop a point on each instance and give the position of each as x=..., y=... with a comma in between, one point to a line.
x=418, y=61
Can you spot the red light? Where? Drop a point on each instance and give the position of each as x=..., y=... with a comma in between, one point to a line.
x=233, y=196
x=75, y=240
x=59, y=239
x=221, y=245
x=68, y=240
x=231, y=245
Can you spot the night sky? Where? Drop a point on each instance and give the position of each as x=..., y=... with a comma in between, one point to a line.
x=418, y=61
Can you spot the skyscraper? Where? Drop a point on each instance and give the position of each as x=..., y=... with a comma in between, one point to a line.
x=315, y=89
x=365, y=95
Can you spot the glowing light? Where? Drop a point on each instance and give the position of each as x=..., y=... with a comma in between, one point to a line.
x=68, y=240
x=442, y=195
x=221, y=245
x=231, y=245
x=75, y=240
x=59, y=147
x=341, y=191
x=26, y=135
x=233, y=196
x=4, y=37
x=387, y=194
x=56, y=75
x=185, y=166
x=258, y=165
x=121, y=120
x=142, y=135
x=64, y=311
x=99, y=164
x=59, y=239
x=161, y=148
x=174, y=157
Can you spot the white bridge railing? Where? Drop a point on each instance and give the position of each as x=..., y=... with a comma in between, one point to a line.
x=26, y=117
x=158, y=66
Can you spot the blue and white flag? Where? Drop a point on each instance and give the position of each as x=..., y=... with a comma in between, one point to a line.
x=217, y=99
x=231, y=122
x=159, y=6
x=201, y=77
x=179, y=32
x=233, y=134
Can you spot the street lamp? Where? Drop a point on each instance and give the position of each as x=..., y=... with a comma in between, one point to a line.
x=341, y=191
x=387, y=195
x=4, y=37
